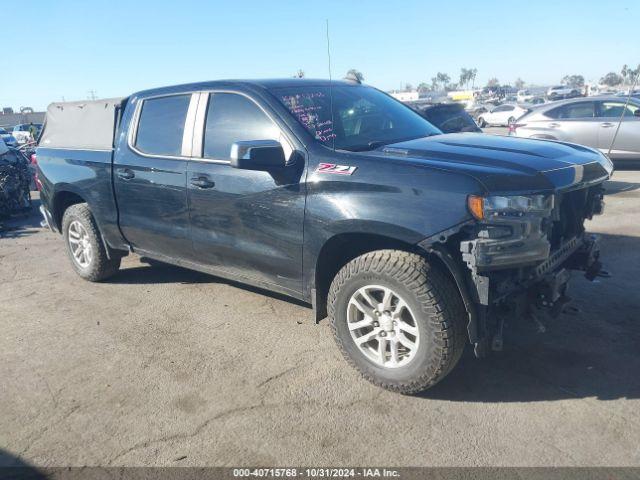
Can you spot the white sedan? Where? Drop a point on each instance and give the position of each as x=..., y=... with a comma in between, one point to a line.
x=502, y=115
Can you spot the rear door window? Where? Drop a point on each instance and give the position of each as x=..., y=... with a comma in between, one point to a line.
x=233, y=118
x=161, y=125
x=572, y=111
x=615, y=109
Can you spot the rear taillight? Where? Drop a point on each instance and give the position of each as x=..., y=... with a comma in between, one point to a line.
x=34, y=162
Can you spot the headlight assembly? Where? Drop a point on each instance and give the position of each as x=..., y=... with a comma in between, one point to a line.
x=496, y=206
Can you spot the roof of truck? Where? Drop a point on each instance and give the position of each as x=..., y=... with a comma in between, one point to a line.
x=260, y=83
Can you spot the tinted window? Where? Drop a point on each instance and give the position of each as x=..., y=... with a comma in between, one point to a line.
x=362, y=118
x=615, y=109
x=161, y=125
x=233, y=118
x=573, y=110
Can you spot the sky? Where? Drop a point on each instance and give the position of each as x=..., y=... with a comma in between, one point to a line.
x=64, y=49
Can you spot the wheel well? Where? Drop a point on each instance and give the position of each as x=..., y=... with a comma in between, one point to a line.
x=61, y=202
x=340, y=250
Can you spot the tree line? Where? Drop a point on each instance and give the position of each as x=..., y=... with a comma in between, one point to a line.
x=467, y=77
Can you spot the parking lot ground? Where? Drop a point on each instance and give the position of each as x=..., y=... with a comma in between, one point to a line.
x=163, y=366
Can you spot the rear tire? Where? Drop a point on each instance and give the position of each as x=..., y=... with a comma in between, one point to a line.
x=427, y=304
x=84, y=245
x=481, y=122
x=511, y=121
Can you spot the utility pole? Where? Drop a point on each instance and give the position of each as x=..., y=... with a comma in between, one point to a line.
x=92, y=94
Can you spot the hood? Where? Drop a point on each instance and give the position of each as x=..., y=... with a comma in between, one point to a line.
x=504, y=164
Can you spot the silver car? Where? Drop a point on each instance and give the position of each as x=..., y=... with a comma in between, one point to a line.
x=589, y=121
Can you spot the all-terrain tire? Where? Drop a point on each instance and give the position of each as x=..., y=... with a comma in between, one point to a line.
x=429, y=291
x=101, y=266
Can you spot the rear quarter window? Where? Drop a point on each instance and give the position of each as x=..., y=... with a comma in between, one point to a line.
x=161, y=125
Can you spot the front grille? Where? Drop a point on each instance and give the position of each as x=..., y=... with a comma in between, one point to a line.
x=571, y=210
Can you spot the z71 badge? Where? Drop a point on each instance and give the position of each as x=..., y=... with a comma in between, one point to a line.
x=335, y=169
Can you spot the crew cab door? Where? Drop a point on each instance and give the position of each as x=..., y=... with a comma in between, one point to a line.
x=243, y=222
x=149, y=175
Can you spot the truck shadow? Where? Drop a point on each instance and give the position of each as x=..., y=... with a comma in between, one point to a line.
x=14, y=467
x=158, y=272
x=616, y=186
x=593, y=353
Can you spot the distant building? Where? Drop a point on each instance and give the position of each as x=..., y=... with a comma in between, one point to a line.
x=410, y=96
x=11, y=119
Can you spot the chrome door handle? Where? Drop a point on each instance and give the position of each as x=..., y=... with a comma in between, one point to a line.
x=202, y=182
x=554, y=125
x=125, y=173
x=607, y=125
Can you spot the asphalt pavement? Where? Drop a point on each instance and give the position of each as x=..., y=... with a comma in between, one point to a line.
x=164, y=366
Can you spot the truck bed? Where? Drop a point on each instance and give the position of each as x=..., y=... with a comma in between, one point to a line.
x=75, y=151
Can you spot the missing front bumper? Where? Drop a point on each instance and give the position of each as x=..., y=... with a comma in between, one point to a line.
x=495, y=285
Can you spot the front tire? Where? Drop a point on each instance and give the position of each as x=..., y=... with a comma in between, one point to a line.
x=397, y=319
x=481, y=122
x=84, y=245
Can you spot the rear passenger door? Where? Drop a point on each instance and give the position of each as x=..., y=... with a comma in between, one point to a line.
x=149, y=176
x=627, y=142
x=245, y=223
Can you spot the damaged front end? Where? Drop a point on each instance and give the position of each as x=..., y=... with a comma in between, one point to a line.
x=519, y=255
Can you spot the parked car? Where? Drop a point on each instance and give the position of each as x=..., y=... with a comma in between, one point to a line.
x=627, y=93
x=524, y=96
x=22, y=132
x=590, y=121
x=477, y=108
x=8, y=139
x=334, y=193
x=562, y=91
x=448, y=117
x=502, y=115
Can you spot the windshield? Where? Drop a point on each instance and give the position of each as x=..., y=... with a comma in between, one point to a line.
x=363, y=117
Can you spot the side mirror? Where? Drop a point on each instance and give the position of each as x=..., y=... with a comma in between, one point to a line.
x=637, y=113
x=262, y=155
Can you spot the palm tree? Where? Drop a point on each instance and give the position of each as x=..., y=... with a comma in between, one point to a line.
x=626, y=73
x=443, y=79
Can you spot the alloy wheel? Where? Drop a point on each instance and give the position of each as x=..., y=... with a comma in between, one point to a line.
x=383, y=326
x=79, y=243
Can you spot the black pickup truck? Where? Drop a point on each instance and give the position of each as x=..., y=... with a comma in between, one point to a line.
x=411, y=241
